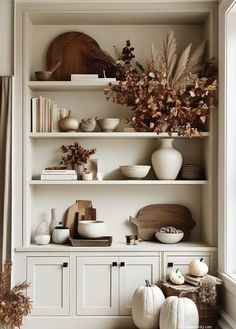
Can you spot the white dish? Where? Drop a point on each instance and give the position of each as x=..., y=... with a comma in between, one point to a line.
x=91, y=228
x=108, y=124
x=42, y=239
x=169, y=237
x=135, y=171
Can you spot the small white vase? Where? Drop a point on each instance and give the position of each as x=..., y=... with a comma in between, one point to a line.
x=54, y=222
x=166, y=161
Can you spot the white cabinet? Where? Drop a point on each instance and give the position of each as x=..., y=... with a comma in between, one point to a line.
x=97, y=285
x=133, y=273
x=49, y=285
x=105, y=285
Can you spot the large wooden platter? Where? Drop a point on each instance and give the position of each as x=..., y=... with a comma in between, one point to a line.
x=70, y=49
x=151, y=218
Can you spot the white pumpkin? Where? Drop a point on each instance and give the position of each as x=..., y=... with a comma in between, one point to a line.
x=146, y=305
x=176, y=277
x=198, y=268
x=179, y=313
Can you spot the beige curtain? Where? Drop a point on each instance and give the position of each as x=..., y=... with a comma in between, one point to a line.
x=5, y=168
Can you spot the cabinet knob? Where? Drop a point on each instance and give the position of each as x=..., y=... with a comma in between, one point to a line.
x=170, y=264
x=65, y=264
x=122, y=264
x=114, y=263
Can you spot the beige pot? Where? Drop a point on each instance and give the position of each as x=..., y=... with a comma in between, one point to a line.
x=69, y=123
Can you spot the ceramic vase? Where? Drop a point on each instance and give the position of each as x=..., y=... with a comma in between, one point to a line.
x=166, y=161
x=54, y=221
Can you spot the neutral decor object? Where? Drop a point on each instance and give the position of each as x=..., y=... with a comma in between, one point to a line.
x=42, y=229
x=47, y=75
x=191, y=171
x=108, y=124
x=166, y=161
x=54, y=222
x=179, y=313
x=69, y=123
x=60, y=234
x=88, y=125
x=146, y=304
x=104, y=241
x=91, y=228
x=172, y=94
x=79, y=54
x=198, y=267
x=14, y=303
x=176, y=277
x=135, y=171
x=42, y=239
x=169, y=235
x=153, y=217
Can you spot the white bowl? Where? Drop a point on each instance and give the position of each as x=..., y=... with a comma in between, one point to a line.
x=42, y=239
x=135, y=172
x=91, y=228
x=169, y=237
x=108, y=124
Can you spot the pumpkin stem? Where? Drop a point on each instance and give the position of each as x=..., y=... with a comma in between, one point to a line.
x=147, y=283
x=201, y=259
x=177, y=270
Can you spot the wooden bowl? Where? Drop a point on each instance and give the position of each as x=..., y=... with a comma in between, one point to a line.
x=43, y=75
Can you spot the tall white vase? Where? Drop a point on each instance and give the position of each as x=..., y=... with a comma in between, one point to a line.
x=166, y=161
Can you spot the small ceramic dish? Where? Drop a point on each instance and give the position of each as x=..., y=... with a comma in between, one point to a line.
x=108, y=124
x=135, y=171
x=91, y=228
x=42, y=239
x=169, y=237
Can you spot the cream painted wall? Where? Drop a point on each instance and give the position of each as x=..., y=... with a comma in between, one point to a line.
x=6, y=30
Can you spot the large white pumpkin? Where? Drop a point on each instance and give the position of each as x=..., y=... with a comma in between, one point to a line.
x=198, y=268
x=179, y=313
x=146, y=305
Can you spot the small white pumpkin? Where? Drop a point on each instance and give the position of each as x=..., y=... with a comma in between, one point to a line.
x=176, y=277
x=146, y=305
x=198, y=268
x=179, y=313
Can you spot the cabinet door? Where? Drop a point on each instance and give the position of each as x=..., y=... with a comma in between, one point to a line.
x=133, y=273
x=97, y=286
x=49, y=285
x=181, y=262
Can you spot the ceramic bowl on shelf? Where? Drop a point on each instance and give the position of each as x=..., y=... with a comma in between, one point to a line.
x=108, y=124
x=91, y=228
x=135, y=171
x=42, y=239
x=169, y=237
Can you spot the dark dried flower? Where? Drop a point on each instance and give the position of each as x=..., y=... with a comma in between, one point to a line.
x=75, y=154
x=14, y=304
x=169, y=95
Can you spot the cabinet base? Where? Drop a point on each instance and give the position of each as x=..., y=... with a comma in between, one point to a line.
x=91, y=322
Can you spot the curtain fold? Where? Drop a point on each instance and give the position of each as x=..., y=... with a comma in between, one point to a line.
x=5, y=168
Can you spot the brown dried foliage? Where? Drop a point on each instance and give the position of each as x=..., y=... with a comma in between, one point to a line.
x=75, y=154
x=14, y=304
x=175, y=93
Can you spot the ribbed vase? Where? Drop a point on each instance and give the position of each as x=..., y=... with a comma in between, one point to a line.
x=166, y=161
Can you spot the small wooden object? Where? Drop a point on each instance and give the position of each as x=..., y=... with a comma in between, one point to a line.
x=104, y=241
x=81, y=210
x=151, y=218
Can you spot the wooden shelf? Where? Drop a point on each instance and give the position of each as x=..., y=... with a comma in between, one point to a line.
x=94, y=85
x=111, y=135
x=120, y=182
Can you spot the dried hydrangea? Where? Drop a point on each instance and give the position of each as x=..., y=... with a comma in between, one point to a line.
x=14, y=304
x=171, y=95
x=75, y=154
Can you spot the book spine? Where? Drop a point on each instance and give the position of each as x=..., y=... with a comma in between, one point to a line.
x=54, y=118
x=33, y=114
x=58, y=177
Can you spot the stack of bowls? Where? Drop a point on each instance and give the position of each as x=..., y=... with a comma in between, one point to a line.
x=191, y=171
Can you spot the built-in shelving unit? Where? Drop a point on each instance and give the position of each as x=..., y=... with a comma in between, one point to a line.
x=67, y=85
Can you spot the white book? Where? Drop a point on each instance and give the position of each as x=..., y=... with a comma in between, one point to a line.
x=54, y=118
x=59, y=171
x=41, y=114
x=34, y=114
x=56, y=177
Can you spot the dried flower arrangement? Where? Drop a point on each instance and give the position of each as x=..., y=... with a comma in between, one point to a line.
x=75, y=154
x=14, y=304
x=174, y=94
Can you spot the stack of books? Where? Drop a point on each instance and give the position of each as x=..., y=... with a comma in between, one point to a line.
x=58, y=174
x=45, y=115
x=92, y=78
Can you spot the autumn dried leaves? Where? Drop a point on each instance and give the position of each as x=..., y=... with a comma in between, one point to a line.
x=174, y=94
